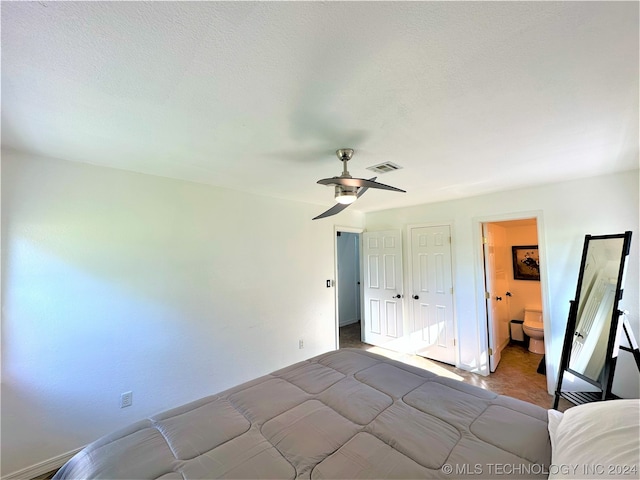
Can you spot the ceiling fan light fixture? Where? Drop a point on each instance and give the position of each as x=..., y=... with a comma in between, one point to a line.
x=346, y=195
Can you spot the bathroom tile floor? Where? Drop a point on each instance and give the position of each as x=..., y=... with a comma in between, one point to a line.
x=516, y=375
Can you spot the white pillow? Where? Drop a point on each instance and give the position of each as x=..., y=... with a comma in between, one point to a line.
x=596, y=440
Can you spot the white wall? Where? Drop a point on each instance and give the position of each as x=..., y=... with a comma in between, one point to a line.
x=566, y=212
x=115, y=281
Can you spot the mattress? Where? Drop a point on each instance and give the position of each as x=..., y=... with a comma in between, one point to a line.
x=343, y=414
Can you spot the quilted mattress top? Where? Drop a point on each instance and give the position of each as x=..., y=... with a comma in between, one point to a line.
x=343, y=414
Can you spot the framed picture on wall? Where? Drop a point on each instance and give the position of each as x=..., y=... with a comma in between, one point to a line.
x=526, y=262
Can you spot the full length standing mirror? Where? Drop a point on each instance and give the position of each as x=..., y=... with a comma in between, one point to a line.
x=594, y=316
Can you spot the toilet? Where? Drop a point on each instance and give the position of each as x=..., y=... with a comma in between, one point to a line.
x=534, y=329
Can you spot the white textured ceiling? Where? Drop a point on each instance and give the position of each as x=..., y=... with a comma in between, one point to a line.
x=469, y=97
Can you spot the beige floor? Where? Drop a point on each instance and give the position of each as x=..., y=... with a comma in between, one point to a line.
x=517, y=373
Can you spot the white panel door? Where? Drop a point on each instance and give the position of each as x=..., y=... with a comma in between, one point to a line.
x=495, y=282
x=432, y=326
x=382, y=274
x=588, y=351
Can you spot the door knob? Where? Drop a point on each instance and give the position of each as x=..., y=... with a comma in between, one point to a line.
x=416, y=297
x=397, y=296
x=498, y=299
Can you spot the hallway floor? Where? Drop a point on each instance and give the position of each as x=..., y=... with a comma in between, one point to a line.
x=516, y=376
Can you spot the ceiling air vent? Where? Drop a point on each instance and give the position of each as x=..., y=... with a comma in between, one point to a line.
x=384, y=167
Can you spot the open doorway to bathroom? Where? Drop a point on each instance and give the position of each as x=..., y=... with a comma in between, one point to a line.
x=513, y=293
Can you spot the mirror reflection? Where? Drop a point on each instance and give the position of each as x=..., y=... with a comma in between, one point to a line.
x=595, y=306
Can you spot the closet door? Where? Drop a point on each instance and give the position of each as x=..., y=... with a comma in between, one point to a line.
x=382, y=268
x=432, y=320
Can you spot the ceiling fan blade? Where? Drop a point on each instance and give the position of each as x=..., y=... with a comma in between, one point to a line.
x=338, y=207
x=357, y=182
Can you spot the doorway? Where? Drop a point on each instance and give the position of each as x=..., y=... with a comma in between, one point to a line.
x=507, y=293
x=348, y=289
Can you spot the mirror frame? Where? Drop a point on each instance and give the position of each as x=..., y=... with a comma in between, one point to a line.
x=605, y=379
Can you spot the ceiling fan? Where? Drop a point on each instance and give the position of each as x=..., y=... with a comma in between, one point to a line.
x=349, y=189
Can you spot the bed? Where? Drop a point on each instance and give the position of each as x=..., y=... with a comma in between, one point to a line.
x=343, y=414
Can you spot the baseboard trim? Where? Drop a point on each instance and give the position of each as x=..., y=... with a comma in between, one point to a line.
x=351, y=321
x=42, y=467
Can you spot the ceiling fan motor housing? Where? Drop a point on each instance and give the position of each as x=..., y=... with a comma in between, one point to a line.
x=346, y=195
x=344, y=154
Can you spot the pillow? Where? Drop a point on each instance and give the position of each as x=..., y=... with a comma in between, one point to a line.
x=596, y=440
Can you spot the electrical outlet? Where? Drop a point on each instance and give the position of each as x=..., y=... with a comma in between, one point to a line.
x=126, y=399
x=301, y=344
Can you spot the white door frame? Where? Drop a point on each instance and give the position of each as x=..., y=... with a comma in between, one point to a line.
x=409, y=276
x=337, y=229
x=481, y=316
